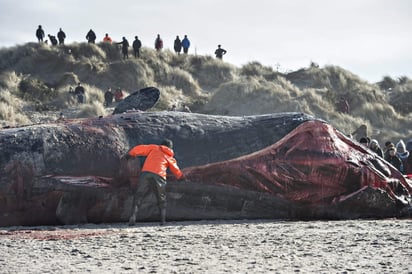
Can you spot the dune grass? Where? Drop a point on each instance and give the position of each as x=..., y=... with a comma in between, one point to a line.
x=37, y=77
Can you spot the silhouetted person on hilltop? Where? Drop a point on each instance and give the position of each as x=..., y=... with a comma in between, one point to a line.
x=219, y=52
x=40, y=34
x=185, y=44
x=125, y=47
x=136, y=46
x=61, y=36
x=158, y=43
x=91, y=36
x=177, y=45
x=53, y=39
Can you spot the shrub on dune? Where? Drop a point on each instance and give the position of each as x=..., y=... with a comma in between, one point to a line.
x=94, y=109
x=209, y=72
x=11, y=109
x=257, y=69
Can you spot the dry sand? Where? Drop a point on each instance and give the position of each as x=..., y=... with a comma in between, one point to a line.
x=259, y=246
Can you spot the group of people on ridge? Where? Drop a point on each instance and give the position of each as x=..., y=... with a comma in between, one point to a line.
x=61, y=35
x=179, y=44
x=137, y=44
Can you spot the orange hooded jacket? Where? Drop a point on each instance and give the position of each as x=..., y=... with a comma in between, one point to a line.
x=107, y=39
x=159, y=158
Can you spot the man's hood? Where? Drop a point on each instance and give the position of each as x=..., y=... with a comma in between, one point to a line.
x=168, y=151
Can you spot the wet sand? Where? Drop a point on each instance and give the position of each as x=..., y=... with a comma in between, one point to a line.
x=258, y=246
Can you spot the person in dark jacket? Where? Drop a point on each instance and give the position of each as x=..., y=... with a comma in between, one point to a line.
x=408, y=162
x=219, y=52
x=137, y=44
x=364, y=141
x=177, y=45
x=159, y=158
x=388, y=145
x=408, y=165
x=40, y=34
x=79, y=92
x=61, y=36
x=125, y=48
x=91, y=36
x=53, y=39
x=185, y=44
x=108, y=97
x=393, y=159
x=403, y=154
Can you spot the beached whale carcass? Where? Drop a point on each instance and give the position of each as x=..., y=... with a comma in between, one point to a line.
x=286, y=165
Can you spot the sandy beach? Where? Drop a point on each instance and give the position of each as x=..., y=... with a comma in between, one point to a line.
x=243, y=246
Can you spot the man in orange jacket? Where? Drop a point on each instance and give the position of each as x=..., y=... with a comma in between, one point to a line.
x=107, y=39
x=153, y=176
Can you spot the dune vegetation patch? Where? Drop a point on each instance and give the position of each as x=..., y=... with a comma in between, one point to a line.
x=38, y=77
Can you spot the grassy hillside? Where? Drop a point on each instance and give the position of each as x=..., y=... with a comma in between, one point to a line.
x=35, y=79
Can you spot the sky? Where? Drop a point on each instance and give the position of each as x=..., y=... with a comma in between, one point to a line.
x=370, y=38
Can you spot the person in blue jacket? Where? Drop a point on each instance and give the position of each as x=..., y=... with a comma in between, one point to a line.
x=185, y=44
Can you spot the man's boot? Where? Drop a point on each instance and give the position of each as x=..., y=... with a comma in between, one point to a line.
x=132, y=219
x=163, y=216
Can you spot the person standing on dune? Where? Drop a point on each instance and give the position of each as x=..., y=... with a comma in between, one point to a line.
x=61, y=36
x=219, y=52
x=137, y=44
x=91, y=36
x=177, y=45
x=107, y=39
x=158, y=43
x=40, y=34
x=125, y=48
x=185, y=44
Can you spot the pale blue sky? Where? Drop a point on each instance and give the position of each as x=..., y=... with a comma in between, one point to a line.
x=371, y=38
